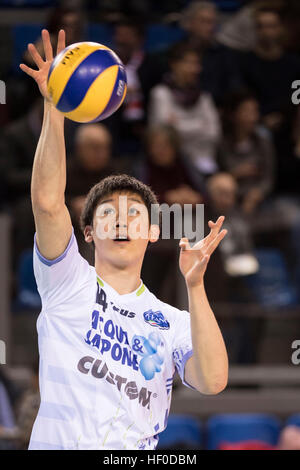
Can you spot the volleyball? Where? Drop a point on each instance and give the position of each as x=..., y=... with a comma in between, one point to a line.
x=87, y=82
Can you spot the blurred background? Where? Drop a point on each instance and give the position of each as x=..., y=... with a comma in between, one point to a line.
x=208, y=118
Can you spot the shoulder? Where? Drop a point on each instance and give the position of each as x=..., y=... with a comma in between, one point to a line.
x=160, y=90
x=168, y=311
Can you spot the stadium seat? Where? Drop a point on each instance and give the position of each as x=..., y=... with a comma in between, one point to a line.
x=182, y=432
x=271, y=285
x=234, y=428
x=22, y=34
x=293, y=420
x=160, y=36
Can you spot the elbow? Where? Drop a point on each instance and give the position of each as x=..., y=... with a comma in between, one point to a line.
x=215, y=387
x=47, y=206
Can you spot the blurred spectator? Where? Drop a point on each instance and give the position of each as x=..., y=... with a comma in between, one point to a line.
x=143, y=72
x=220, y=73
x=222, y=192
x=69, y=19
x=238, y=32
x=18, y=146
x=166, y=171
x=269, y=71
x=233, y=261
x=92, y=161
x=246, y=150
x=179, y=101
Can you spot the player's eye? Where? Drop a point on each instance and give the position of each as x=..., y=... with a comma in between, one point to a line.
x=107, y=211
x=133, y=211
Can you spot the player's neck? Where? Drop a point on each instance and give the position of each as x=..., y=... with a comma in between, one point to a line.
x=124, y=281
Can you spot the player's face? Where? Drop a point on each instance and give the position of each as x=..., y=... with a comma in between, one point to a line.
x=121, y=229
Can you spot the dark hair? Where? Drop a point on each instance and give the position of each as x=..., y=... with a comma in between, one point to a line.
x=233, y=100
x=178, y=51
x=231, y=103
x=166, y=129
x=110, y=185
x=265, y=9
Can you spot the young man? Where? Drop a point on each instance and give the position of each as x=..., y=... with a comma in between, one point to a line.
x=108, y=347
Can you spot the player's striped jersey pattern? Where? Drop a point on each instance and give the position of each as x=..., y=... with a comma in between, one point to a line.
x=106, y=360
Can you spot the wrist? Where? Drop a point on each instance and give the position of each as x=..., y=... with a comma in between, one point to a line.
x=195, y=288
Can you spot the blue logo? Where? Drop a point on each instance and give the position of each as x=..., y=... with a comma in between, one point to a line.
x=152, y=352
x=156, y=319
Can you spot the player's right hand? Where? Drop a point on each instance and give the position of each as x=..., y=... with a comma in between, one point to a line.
x=40, y=75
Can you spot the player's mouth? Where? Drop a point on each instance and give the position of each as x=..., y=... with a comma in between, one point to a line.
x=121, y=239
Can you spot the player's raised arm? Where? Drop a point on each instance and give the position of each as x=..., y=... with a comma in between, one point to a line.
x=52, y=219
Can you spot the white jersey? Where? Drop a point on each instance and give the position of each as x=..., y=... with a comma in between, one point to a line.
x=107, y=361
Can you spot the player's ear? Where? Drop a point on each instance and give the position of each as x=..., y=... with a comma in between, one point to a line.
x=88, y=233
x=154, y=233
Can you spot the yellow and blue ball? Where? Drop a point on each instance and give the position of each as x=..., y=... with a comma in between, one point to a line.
x=87, y=82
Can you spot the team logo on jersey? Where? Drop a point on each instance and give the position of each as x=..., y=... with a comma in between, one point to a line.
x=156, y=319
x=151, y=350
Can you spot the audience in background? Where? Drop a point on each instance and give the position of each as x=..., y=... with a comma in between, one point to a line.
x=220, y=74
x=246, y=150
x=167, y=171
x=269, y=71
x=179, y=101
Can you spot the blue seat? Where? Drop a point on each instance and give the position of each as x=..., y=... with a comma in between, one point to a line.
x=160, y=36
x=240, y=427
x=99, y=32
x=23, y=34
x=271, y=285
x=183, y=430
x=293, y=420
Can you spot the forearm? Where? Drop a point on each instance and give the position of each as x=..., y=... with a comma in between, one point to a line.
x=49, y=169
x=207, y=369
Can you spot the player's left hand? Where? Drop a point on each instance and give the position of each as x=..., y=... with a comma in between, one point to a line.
x=193, y=260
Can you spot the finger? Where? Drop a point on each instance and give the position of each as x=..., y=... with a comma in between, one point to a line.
x=28, y=70
x=184, y=244
x=47, y=45
x=214, y=229
x=215, y=242
x=35, y=55
x=61, y=42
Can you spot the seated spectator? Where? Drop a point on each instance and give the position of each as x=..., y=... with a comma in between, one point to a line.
x=226, y=274
x=142, y=74
x=246, y=150
x=220, y=73
x=180, y=102
x=222, y=196
x=17, y=148
x=269, y=71
x=166, y=171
